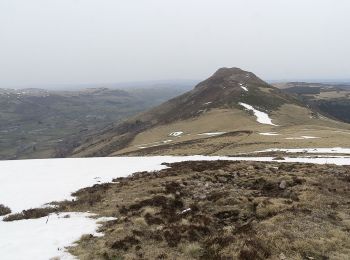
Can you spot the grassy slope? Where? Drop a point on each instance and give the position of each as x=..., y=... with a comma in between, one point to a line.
x=213, y=106
x=329, y=99
x=294, y=121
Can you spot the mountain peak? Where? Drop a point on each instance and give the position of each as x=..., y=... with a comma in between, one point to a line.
x=228, y=91
x=224, y=72
x=231, y=78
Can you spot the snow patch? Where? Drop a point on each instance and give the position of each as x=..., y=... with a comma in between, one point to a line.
x=185, y=210
x=142, y=146
x=26, y=184
x=335, y=150
x=261, y=117
x=302, y=137
x=176, y=133
x=213, y=133
x=269, y=133
x=46, y=237
x=244, y=88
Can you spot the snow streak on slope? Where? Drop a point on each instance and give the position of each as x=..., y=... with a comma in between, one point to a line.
x=178, y=133
x=335, y=150
x=213, y=133
x=269, y=134
x=243, y=87
x=261, y=117
x=302, y=137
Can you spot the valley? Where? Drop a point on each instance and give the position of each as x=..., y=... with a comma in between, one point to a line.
x=330, y=99
x=37, y=123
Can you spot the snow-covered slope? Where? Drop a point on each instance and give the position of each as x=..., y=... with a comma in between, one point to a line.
x=261, y=117
x=28, y=184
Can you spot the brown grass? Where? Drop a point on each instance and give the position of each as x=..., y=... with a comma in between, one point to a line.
x=238, y=210
x=4, y=210
x=30, y=214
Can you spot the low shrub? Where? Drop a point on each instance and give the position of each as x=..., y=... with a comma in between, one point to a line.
x=4, y=210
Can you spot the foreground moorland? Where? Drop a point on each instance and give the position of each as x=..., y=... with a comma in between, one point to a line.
x=219, y=210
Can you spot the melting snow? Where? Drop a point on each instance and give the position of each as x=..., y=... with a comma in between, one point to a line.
x=243, y=87
x=269, y=133
x=301, y=137
x=28, y=184
x=176, y=133
x=45, y=238
x=334, y=150
x=261, y=117
x=31, y=183
x=185, y=210
x=142, y=146
x=213, y=133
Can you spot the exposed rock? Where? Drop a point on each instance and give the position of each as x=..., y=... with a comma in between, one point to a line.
x=283, y=185
x=282, y=256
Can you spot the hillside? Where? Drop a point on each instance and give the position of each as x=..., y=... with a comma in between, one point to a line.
x=332, y=100
x=231, y=112
x=166, y=207
x=38, y=123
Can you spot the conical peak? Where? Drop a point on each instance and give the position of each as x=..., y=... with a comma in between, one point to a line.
x=232, y=73
x=231, y=78
x=228, y=71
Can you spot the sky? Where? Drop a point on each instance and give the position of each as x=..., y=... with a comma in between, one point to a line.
x=52, y=42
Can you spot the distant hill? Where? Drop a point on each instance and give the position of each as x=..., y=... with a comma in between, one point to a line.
x=231, y=111
x=332, y=100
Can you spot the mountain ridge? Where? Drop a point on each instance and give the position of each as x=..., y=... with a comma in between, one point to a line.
x=227, y=102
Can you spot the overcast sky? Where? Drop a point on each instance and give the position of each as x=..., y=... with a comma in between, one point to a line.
x=105, y=41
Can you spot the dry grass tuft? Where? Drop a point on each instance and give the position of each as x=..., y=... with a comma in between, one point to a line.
x=4, y=210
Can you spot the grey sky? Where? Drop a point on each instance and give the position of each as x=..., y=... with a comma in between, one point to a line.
x=98, y=41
